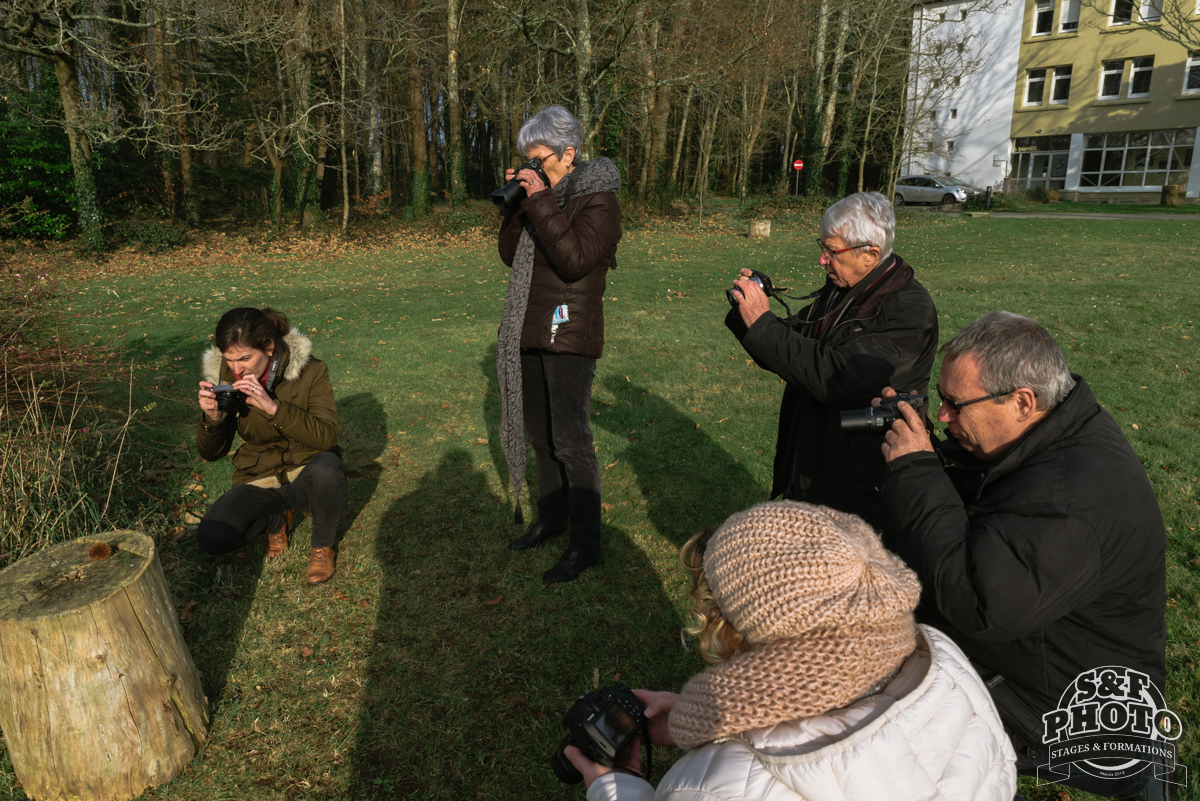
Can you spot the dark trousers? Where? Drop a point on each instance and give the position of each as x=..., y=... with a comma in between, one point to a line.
x=244, y=512
x=558, y=399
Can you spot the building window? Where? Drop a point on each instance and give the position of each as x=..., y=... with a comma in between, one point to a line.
x=1039, y=161
x=1150, y=10
x=1122, y=12
x=954, y=111
x=1043, y=17
x=1191, y=75
x=1144, y=158
x=1061, y=90
x=1110, y=79
x=1139, y=76
x=1068, y=19
x=1035, y=87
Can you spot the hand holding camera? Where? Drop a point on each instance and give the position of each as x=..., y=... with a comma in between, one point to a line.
x=907, y=432
x=604, y=727
x=529, y=175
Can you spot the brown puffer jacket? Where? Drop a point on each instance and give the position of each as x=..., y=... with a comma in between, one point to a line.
x=574, y=249
x=275, y=449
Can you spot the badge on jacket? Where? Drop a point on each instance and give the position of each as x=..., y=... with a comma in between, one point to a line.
x=560, y=316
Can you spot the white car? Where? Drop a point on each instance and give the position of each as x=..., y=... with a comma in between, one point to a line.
x=929, y=189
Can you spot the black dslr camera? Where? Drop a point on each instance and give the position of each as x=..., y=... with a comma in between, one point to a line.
x=231, y=401
x=602, y=724
x=878, y=419
x=509, y=195
x=764, y=281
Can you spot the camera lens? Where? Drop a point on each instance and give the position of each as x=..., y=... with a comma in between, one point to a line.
x=563, y=769
x=868, y=421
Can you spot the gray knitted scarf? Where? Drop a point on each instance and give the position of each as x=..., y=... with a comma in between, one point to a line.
x=597, y=175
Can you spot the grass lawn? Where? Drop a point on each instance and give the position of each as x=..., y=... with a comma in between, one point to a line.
x=435, y=665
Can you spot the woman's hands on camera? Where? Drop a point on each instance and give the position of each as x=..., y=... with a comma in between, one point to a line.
x=208, y=401
x=753, y=302
x=256, y=396
x=658, y=712
x=529, y=180
x=594, y=770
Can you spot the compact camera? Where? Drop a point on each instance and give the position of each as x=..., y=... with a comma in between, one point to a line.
x=509, y=195
x=764, y=281
x=231, y=401
x=878, y=419
x=602, y=724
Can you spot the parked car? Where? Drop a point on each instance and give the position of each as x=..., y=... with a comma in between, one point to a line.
x=931, y=189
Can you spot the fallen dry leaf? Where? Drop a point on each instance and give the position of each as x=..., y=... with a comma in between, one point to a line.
x=606, y=506
x=341, y=596
x=185, y=614
x=364, y=603
x=518, y=700
x=494, y=601
x=305, y=651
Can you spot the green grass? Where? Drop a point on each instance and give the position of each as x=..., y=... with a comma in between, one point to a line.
x=435, y=665
x=1020, y=204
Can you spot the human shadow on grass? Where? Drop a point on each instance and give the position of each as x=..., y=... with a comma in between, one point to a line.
x=474, y=661
x=224, y=587
x=688, y=480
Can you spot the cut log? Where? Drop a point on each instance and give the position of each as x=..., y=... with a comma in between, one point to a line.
x=760, y=229
x=99, y=697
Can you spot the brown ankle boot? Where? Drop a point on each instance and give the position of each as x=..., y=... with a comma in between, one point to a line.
x=320, y=568
x=277, y=540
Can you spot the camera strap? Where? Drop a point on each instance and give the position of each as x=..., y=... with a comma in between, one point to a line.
x=272, y=372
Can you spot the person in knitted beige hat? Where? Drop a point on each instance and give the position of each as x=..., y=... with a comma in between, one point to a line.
x=820, y=686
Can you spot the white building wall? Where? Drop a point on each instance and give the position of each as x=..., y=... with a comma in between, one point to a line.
x=983, y=99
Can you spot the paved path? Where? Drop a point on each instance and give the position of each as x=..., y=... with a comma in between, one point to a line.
x=1097, y=216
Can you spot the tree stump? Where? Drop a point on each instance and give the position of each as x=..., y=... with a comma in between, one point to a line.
x=760, y=229
x=1172, y=195
x=99, y=697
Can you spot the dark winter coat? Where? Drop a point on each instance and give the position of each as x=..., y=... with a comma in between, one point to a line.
x=274, y=448
x=575, y=247
x=887, y=337
x=1043, y=565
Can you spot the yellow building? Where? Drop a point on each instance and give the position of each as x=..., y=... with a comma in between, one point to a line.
x=1103, y=107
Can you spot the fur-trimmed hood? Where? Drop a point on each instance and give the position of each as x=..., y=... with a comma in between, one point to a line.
x=299, y=353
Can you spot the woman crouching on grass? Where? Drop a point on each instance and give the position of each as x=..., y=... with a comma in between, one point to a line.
x=282, y=406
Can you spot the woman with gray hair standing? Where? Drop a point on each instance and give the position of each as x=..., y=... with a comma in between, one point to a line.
x=560, y=239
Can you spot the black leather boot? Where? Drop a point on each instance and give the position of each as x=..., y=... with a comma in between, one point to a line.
x=570, y=565
x=535, y=536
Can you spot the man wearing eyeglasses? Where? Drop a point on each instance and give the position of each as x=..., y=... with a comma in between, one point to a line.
x=871, y=325
x=1034, y=530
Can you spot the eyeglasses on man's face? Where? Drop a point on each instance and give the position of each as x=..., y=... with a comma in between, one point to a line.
x=830, y=252
x=957, y=406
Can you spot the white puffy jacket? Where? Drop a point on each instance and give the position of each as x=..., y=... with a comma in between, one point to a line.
x=932, y=734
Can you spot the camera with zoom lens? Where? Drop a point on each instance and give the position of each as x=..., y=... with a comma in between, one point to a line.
x=602, y=724
x=878, y=419
x=509, y=195
x=231, y=401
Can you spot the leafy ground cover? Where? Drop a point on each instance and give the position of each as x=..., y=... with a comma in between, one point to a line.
x=435, y=665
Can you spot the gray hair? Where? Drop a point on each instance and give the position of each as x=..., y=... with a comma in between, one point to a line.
x=860, y=219
x=555, y=128
x=1013, y=351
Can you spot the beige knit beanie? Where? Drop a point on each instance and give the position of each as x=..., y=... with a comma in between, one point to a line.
x=826, y=609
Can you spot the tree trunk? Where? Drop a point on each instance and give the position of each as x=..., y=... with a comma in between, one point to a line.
x=91, y=219
x=99, y=697
x=454, y=157
x=816, y=99
x=687, y=105
x=416, y=113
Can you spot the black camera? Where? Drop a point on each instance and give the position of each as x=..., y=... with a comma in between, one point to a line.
x=602, y=724
x=231, y=401
x=764, y=281
x=511, y=193
x=878, y=419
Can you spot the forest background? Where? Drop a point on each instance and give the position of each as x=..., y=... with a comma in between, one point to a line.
x=138, y=120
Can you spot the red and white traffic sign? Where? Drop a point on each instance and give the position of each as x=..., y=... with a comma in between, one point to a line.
x=798, y=164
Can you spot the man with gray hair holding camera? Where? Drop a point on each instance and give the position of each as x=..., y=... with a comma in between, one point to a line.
x=871, y=325
x=1037, y=538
